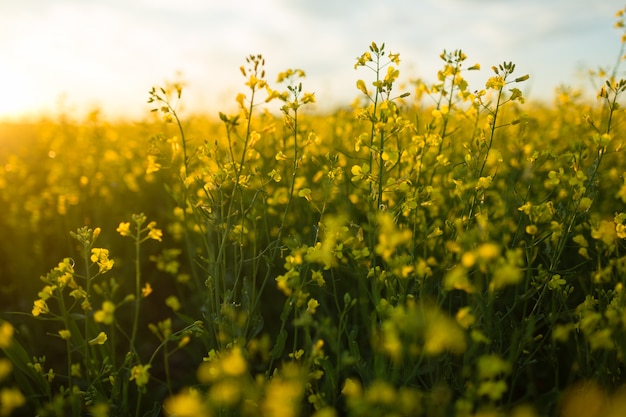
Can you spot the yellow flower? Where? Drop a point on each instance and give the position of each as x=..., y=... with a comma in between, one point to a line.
x=490, y=366
x=40, y=307
x=495, y=82
x=390, y=236
x=10, y=399
x=225, y=393
x=65, y=334
x=312, y=305
x=493, y=389
x=360, y=84
x=106, y=314
x=283, y=394
x=604, y=231
x=101, y=257
x=6, y=334
x=185, y=404
x=123, y=229
x=318, y=278
x=352, y=388
x=76, y=371
x=465, y=318
x=155, y=234
x=153, y=165
x=140, y=374
x=146, y=290
x=173, y=303
x=234, y=363
x=99, y=340
x=46, y=292
x=99, y=410
x=5, y=368
x=531, y=229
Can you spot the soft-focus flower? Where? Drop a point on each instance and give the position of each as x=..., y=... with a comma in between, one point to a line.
x=146, y=290
x=99, y=340
x=155, y=234
x=173, y=303
x=140, y=374
x=10, y=399
x=123, y=229
x=106, y=313
x=65, y=334
x=5, y=368
x=185, y=404
x=6, y=334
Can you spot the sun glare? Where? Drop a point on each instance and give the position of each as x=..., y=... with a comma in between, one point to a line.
x=19, y=98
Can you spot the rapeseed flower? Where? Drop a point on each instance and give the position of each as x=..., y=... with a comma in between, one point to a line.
x=65, y=334
x=185, y=404
x=99, y=340
x=124, y=229
x=40, y=307
x=284, y=393
x=10, y=399
x=101, y=257
x=173, y=302
x=6, y=334
x=6, y=367
x=140, y=374
x=106, y=314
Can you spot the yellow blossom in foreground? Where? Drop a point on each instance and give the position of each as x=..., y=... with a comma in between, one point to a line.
x=5, y=368
x=6, y=334
x=225, y=393
x=284, y=393
x=99, y=410
x=10, y=399
x=185, y=404
x=352, y=388
x=225, y=364
x=234, y=363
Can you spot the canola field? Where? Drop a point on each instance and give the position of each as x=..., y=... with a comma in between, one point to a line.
x=431, y=250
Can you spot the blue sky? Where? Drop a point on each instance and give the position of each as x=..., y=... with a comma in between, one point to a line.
x=79, y=54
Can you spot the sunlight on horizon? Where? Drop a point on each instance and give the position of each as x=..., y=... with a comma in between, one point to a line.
x=19, y=100
x=76, y=56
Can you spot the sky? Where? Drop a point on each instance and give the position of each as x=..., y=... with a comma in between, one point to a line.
x=77, y=55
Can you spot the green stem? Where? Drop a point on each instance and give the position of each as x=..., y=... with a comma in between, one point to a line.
x=133, y=336
x=86, y=250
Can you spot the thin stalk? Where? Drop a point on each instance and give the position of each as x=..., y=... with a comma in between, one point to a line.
x=237, y=168
x=87, y=353
x=133, y=336
x=287, y=207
